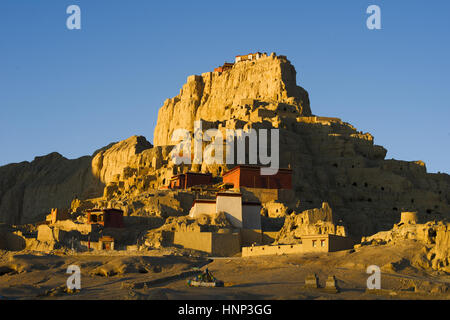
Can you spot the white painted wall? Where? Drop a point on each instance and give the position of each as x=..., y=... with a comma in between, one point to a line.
x=240, y=216
x=200, y=208
x=232, y=206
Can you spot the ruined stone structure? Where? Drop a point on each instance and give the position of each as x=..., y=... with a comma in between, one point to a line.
x=109, y=218
x=226, y=66
x=330, y=161
x=308, y=244
x=310, y=222
x=57, y=215
x=434, y=235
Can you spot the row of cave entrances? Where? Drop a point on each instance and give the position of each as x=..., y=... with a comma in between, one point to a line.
x=428, y=211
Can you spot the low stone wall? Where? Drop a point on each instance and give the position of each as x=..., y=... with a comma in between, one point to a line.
x=272, y=250
x=310, y=244
x=251, y=236
x=68, y=225
x=201, y=241
x=338, y=243
x=225, y=245
x=212, y=243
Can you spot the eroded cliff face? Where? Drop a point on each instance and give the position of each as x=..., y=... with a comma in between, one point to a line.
x=109, y=163
x=435, y=236
x=211, y=96
x=309, y=222
x=331, y=160
x=28, y=190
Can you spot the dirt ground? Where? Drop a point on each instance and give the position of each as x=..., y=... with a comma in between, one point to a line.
x=159, y=275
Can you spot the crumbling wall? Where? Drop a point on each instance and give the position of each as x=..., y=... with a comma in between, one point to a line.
x=435, y=236
x=11, y=242
x=309, y=222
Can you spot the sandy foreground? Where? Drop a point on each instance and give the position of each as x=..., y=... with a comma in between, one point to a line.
x=158, y=275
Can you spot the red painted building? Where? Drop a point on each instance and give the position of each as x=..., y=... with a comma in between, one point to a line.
x=189, y=179
x=226, y=66
x=109, y=218
x=250, y=177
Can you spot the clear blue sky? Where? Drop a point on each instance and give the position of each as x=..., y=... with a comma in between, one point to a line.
x=73, y=91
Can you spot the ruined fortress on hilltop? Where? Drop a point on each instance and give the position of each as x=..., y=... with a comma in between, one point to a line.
x=334, y=181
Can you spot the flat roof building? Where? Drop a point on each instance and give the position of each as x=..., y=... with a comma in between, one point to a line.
x=249, y=57
x=250, y=177
x=242, y=215
x=226, y=66
x=308, y=244
x=109, y=218
x=189, y=179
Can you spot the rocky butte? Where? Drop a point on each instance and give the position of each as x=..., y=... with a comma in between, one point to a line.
x=338, y=172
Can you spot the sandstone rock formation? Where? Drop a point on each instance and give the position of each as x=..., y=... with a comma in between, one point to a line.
x=216, y=96
x=28, y=190
x=435, y=236
x=112, y=162
x=331, y=160
x=162, y=236
x=309, y=222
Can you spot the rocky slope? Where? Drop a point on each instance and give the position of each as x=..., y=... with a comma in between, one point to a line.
x=213, y=95
x=28, y=190
x=434, y=236
x=332, y=161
